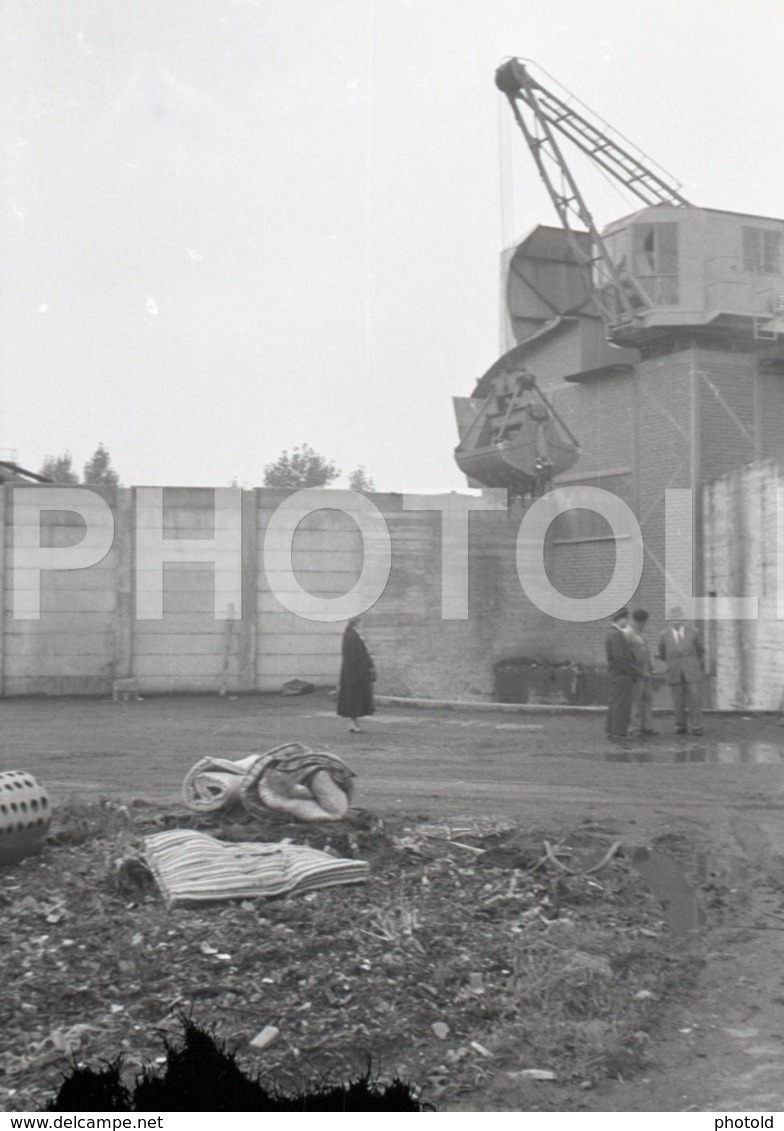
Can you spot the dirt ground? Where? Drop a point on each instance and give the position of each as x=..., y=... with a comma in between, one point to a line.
x=723, y=796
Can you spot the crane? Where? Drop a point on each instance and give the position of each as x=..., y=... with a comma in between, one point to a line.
x=668, y=272
x=541, y=113
x=513, y=437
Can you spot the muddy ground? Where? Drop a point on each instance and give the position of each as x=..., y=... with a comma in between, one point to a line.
x=716, y=805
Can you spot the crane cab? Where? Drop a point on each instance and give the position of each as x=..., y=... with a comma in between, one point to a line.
x=689, y=267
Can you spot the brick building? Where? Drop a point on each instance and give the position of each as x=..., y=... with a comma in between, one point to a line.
x=690, y=391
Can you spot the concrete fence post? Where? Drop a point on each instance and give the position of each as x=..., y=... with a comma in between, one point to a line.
x=250, y=565
x=124, y=609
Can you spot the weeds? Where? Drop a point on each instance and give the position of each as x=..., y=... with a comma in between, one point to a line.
x=77, y=821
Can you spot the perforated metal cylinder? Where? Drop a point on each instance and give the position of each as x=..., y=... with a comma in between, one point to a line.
x=25, y=815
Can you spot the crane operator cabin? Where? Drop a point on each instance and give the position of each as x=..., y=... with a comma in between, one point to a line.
x=694, y=268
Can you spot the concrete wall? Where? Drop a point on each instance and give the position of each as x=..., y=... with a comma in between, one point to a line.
x=189, y=648
x=90, y=630
x=70, y=649
x=742, y=516
x=679, y=420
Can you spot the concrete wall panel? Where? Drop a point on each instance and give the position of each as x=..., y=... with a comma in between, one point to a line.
x=326, y=582
x=176, y=665
x=56, y=600
x=182, y=644
x=61, y=644
x=302, y=644
x=313, y=561
x=55, y=623
x=323, y=669
x=741, y=519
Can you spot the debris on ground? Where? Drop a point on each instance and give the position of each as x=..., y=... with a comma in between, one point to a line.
x=192, y=867
x=267, y=1036
x=449, y=967
x=298, y=687
x=25, y=815
x=310, y=785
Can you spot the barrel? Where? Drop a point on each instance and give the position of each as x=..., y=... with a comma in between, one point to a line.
x=25, y=816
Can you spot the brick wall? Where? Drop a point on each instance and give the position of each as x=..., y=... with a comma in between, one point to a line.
x=770, y=416
x=684, y=418
x=728, y=411
x=663, y=428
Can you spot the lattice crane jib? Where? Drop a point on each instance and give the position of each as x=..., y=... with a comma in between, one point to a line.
x=541, y=114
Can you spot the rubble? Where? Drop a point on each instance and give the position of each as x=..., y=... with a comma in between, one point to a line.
x=344, y=974
x=267, y=1036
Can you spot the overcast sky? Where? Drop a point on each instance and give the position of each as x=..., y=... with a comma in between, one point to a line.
x=233, y=226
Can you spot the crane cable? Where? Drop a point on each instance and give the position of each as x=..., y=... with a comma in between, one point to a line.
x=506, y=175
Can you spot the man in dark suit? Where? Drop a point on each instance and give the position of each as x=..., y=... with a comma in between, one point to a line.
x=642, y=713
x=623, y=672
x=682, y=649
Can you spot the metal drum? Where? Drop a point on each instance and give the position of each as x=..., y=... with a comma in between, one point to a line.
x=25, y=816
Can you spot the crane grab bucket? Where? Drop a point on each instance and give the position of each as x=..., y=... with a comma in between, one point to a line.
x=516, y=439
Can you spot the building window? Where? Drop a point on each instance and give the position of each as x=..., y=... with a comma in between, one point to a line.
x=656, y=261
x=580, y=525
x=762, y=251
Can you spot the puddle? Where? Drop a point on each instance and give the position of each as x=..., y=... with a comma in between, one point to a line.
x=664, y=876
x=758, y=753
x=711, y=752
x=639, y=755
x=518, y=726
x=705, y=885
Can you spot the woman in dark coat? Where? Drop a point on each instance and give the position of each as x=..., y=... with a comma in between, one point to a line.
x=357, y=676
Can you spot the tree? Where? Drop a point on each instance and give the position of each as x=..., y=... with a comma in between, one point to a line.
x=98, y=471
x=59, y=469
x=359, y=480
x=303, y=468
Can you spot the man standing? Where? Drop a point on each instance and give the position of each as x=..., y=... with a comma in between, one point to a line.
x=642, y=718
x=623, y=672
x=682, y=649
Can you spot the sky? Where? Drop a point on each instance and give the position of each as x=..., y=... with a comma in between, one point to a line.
x=230, y=227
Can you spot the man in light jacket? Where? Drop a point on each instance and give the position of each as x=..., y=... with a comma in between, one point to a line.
x=682, y=649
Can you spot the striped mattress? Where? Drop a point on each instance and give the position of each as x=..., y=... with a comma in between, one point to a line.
x=192, y=867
